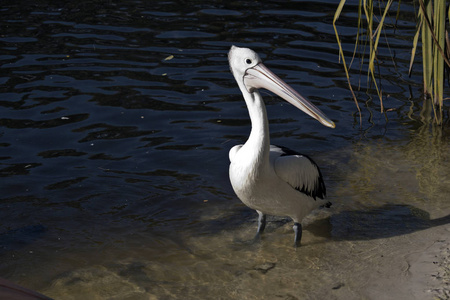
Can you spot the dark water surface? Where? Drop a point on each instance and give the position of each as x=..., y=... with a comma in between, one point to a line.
x=115, y=126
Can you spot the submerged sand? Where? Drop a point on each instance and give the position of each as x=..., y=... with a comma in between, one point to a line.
x=411, y=266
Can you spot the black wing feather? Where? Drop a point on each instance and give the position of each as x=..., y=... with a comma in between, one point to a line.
x=318, y=190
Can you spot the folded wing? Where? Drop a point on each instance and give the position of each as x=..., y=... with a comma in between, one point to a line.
x=300, y=172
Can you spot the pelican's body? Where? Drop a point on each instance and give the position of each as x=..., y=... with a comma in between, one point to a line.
x=266, y=187
x=270, y=179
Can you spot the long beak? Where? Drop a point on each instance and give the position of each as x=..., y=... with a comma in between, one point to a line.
x=260, y=76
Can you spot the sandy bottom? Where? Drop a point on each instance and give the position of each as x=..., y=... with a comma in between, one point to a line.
x=412, y=266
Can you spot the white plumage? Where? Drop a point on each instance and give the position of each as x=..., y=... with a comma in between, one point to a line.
x=270, y=179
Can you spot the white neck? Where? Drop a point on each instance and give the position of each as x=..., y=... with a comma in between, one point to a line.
x=258, y=142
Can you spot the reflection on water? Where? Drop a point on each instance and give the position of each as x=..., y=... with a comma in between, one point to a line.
x=116, y=121
x=413, y=172
x=428, y=151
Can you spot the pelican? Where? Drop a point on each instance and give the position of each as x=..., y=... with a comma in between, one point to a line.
x=270, y=179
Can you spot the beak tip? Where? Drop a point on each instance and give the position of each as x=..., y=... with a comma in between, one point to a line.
x=329, y=123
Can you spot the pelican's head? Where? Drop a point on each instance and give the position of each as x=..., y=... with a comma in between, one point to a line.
x=242, y=59
x=250, y=74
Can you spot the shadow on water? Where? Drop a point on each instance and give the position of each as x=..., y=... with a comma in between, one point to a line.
x=382, y=222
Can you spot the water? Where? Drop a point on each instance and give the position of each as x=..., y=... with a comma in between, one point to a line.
x=116, y=122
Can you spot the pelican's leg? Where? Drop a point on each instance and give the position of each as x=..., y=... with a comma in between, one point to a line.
x=261, y=222
x=298, y=234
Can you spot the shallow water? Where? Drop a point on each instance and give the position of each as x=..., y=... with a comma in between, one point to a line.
x=116, y=121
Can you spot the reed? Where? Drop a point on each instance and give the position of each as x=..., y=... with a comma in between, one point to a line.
x=430, y=28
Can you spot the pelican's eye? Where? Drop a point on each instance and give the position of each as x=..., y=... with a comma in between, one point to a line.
x=248, y=61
